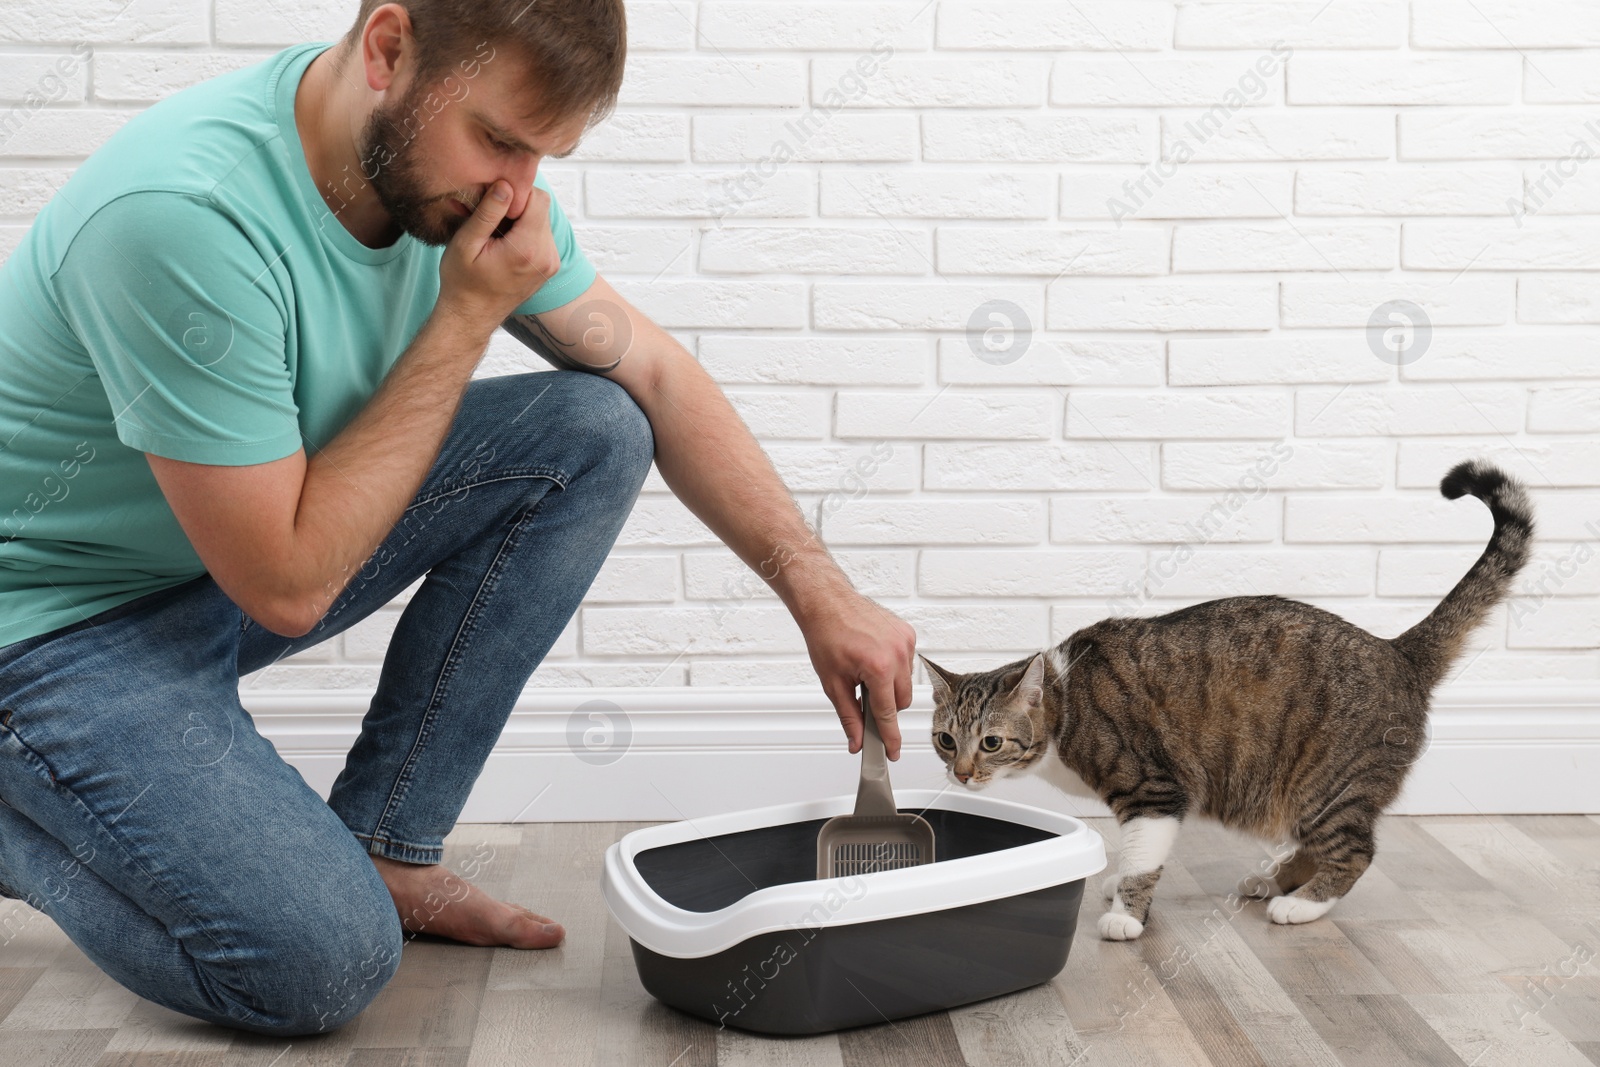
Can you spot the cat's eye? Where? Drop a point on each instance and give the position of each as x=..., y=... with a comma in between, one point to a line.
x=991, y=743
x=944, y=740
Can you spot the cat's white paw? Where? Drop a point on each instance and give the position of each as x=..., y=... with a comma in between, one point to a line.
x=1119, y=926
x=1293, y=909
x=1257, y=887
x=1108, y=888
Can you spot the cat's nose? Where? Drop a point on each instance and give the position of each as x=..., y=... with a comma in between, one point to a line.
x=962, y=778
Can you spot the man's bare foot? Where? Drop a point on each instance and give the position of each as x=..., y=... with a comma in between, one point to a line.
x=435, y=900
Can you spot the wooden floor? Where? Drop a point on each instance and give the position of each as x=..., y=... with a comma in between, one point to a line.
x=1471, y=941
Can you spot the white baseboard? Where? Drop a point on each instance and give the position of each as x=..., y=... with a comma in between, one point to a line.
x=684, y=752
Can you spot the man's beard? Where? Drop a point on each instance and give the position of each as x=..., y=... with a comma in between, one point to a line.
x=399, y=183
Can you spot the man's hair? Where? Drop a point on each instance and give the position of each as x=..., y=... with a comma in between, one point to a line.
x=572, y=50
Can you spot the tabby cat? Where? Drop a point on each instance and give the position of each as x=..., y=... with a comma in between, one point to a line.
x=1269, y=715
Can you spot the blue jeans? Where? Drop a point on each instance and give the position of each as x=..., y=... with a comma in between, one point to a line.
x=143, y=813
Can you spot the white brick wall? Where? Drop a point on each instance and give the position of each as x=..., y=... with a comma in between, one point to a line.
x=1197, y=208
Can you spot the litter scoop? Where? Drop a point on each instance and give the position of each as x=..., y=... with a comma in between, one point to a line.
x=877, y=837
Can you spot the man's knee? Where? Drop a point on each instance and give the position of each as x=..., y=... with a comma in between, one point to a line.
x=597, y=423
x=321, y=970
x=620, y=422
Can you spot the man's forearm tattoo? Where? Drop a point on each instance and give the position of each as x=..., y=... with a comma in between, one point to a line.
x=531, y=332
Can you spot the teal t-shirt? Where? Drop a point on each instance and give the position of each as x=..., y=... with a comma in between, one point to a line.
x=188, y=293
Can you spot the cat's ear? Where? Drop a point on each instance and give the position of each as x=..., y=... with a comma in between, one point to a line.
x=944, y=682
x=1029, y=690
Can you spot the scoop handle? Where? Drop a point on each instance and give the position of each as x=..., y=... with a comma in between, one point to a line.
x=873, y=796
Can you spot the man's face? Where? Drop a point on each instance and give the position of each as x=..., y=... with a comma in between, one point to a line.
x=445, y=144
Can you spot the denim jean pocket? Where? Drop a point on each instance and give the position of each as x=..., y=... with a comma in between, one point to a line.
x=10, y=737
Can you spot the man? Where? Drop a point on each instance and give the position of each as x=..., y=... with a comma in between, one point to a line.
x=238, y=417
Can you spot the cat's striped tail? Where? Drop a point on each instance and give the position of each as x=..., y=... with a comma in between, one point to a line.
x=1435, y=643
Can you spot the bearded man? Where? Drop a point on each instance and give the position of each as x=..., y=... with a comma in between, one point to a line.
x=239, y=416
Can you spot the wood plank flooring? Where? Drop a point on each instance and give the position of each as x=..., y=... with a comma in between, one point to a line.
x=1473, y=942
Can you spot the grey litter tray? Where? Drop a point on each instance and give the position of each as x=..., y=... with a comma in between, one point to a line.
x=728, y=921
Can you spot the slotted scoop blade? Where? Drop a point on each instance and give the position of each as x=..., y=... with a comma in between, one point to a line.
x=876, y=837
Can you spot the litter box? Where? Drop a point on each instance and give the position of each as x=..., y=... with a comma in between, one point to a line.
x=728, y=921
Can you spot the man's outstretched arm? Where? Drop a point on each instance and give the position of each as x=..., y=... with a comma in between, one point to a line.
x=713, y=463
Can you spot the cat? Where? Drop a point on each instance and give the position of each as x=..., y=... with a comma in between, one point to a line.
x=1267, y=714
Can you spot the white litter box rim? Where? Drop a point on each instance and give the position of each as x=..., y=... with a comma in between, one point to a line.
x=1077, y=851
